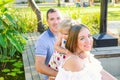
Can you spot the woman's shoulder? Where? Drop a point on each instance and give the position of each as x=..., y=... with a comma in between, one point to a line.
x=74, y=63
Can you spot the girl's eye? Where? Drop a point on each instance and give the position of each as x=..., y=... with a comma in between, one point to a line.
x=89, y=36
x=65, y=34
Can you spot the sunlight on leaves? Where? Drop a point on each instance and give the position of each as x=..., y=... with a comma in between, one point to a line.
x=12, y=74
x=1, y=78
x=15, y=70
x=18, y=64
x=6, y=70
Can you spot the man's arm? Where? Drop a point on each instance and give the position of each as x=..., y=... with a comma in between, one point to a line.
x=42, y=67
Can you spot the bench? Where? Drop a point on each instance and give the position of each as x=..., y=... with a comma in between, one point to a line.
x=28, y=58
x=104, y=54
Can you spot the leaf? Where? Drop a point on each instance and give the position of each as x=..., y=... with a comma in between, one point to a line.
x=5, y=24
x=4, y=61
x=20, y=72
x=18, y=64
x=12, y=73
x=15, y=70
x=12, y=60
x=14, y=42
x=3, y=42
x=1, y=24
x=4, y=2
x=12, y=51
x=6, y=70
x=1, y=78
x=11, y=20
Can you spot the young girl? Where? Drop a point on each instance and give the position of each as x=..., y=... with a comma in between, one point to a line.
x=59, y=56
x=63, y=28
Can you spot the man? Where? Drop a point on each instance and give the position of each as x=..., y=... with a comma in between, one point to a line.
x=45, y=44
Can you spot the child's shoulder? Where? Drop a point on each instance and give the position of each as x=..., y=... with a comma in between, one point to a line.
x=56, y=60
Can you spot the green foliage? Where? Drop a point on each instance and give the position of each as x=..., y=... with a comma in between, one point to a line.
x=6, y=70
x=18, y=64
x=12, y=40
x=12, y=67
x=70, y=12
x=1, y=78
x=92, y=21
x=14, y=72
x=27, y=19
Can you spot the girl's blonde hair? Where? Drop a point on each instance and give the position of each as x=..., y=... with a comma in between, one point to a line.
x=66, y=24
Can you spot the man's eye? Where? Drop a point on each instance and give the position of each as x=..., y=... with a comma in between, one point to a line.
x=58, y=18
x=51, y=19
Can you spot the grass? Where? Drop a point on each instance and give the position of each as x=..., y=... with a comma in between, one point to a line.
x=113, y=12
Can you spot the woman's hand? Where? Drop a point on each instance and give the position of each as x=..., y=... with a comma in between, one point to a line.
x=51, y=78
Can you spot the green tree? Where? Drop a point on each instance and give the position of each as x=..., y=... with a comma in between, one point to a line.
x=35, y=8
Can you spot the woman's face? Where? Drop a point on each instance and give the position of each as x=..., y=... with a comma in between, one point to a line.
x=85, y=40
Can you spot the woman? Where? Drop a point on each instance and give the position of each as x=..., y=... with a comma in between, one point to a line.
x=81, y=64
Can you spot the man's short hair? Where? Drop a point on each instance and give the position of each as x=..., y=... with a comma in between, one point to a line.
x=51, y=10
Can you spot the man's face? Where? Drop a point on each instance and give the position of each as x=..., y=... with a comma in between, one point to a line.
x=53, y=20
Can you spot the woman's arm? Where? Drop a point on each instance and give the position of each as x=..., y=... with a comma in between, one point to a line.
x=107, y=76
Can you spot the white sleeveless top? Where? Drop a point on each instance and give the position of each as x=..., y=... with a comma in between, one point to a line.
x=91, y=71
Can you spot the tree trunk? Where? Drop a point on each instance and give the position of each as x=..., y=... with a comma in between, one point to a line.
x=116, y=1
x=38, y=14
x=59, y=3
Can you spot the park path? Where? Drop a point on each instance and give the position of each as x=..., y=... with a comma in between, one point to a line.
x=114, y=27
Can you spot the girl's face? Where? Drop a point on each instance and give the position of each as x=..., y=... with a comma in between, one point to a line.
x=85, y=40
x=64, y=34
